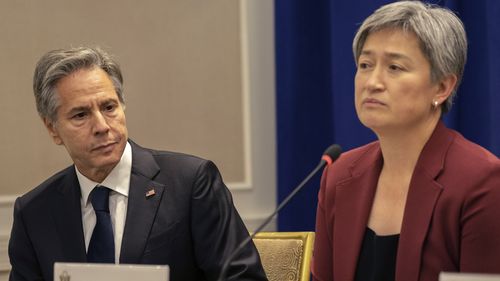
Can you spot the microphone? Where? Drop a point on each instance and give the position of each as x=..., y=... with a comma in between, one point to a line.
x=329, y=156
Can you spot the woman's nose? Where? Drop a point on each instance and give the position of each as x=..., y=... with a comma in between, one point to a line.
x=375, y=80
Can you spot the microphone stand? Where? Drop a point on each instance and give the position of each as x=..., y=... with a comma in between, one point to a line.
x=283, y=203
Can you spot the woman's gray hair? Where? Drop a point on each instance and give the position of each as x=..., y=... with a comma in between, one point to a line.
x=58, y=64
x=441, y=33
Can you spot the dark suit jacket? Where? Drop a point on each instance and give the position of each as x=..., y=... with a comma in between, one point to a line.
x=189, y=224
x=451, y=220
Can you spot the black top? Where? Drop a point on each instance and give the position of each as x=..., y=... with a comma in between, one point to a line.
x=377, y=258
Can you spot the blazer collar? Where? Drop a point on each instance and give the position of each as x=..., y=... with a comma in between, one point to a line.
x=141, y=210
x=422, y=197
x=354, y=198
x=431, y=158
x=143, y=162
x=433, y=155
x=144, y=198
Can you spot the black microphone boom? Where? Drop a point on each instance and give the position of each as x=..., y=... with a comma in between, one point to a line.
x=331, y=154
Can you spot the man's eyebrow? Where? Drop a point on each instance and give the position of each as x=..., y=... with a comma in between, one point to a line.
x=110, y=100
x=78, y=108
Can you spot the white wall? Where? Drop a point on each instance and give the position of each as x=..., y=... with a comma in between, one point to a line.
x=257, y=198
x=6, y=205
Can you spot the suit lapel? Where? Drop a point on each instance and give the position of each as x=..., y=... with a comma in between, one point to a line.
x=142, y=205
x=66, y=210
x=354, y=198
x=423, y=195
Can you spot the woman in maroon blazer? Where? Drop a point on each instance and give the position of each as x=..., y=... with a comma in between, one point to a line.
x=422, y=199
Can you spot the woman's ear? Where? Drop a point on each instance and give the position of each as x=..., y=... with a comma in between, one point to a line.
x=445, y=88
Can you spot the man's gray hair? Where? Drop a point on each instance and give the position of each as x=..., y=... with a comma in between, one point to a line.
x=441, y=33
x=58, y=64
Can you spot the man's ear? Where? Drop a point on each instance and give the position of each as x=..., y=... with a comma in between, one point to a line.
x=51, y=127
x=446, y=86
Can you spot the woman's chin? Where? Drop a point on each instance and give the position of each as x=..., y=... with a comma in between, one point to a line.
x=371, y=122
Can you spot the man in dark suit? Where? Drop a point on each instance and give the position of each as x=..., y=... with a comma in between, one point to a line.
x=119, y=202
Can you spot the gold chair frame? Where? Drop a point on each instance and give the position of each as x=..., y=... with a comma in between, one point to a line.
x=286, y=255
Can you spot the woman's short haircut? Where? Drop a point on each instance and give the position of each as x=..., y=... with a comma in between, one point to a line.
x=441, y=34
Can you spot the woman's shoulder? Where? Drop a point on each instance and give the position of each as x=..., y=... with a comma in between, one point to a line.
x=469, y=167
x=354, y=160
x=359, y=154
x=467, y=155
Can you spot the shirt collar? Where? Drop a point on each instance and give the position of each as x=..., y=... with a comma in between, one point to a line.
x=118, y=180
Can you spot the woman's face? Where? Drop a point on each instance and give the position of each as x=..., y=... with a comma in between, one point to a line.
x=393, y=88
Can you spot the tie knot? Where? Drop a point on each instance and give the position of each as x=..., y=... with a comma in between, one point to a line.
x=100, y=198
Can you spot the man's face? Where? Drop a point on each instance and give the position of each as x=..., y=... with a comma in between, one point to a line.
x=90, y=122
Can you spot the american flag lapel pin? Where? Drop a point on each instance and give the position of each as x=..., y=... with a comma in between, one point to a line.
x=150, y=193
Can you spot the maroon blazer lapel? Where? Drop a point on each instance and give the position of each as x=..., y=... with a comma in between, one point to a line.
x=354, y=198
x=423, y=195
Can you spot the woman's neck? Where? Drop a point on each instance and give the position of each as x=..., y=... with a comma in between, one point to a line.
x=401, y=149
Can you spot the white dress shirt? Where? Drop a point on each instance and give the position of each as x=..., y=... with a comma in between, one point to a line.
x=119, y=182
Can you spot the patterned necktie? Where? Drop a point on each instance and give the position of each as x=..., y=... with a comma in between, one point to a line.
x=102, y=244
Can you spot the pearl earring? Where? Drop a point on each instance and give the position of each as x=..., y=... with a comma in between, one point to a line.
x=435, y=103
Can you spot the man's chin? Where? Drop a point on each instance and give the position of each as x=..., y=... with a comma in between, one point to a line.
x=106, y=163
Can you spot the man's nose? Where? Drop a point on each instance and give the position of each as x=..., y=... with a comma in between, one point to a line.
x=100, y=124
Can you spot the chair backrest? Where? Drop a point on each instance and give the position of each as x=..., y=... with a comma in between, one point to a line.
x=285, y=255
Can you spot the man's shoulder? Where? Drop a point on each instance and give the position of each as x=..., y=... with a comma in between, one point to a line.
x=170, y=160
x=167, y=155
x=40, y=193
